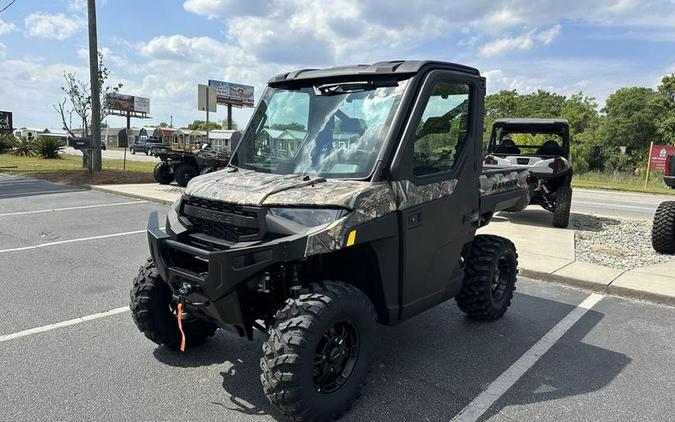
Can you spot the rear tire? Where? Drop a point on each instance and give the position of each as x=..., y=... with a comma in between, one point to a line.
x=316, y=357
x=663, y=228
x=489, y=278
x=163, y=174
x=561, y=208
x=153, y=311
x=184, y=173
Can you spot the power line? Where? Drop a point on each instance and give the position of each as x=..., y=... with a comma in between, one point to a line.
x=5, y=8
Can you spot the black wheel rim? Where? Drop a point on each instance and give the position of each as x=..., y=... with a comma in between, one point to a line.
x=335, y=357
x=500, y=278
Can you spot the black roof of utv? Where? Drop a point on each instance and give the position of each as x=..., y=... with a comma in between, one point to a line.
x=532, y=124
x=397, y=67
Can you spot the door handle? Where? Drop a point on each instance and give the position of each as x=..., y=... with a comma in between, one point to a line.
x=415, y=219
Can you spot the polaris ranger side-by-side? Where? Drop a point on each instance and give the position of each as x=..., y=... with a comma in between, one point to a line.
x=546, y=156
x=365, y=211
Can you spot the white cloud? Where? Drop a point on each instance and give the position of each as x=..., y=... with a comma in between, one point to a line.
x=108, y=56
x=524, y=41
x=226, y=8
x=3, y=51
x=44, y=25
x=78, y=5
x=546, y=37
x=6, y=27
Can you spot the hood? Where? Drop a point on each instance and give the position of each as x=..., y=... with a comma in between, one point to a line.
x=248, y=187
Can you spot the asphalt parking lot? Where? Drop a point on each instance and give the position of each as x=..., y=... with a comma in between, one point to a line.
x=67, y=253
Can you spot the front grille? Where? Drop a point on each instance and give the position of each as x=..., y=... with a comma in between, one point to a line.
x=230, y=222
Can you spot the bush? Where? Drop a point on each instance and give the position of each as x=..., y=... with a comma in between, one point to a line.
x=6, y=143
x=47, y=147
x=23, y=148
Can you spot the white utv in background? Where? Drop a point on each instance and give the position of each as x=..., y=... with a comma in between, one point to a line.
x=548, y=161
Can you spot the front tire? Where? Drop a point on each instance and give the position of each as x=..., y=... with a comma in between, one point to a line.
x=489, y=278
x=316, y=357
x=184, y=173
x=562, y=206
x=663, y=228
x=163, y=174
x=153, y=311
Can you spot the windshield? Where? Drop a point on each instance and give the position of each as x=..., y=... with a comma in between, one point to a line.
x=332, y=132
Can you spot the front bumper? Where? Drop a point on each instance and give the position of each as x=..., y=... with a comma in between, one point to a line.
x=219, y=278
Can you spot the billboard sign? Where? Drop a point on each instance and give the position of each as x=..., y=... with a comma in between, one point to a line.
x=123, y=102
x=6, y=122
x=206, y=95
x=658, y=156
x=233, y=94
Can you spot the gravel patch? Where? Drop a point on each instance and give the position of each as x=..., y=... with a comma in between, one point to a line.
x=615, y=242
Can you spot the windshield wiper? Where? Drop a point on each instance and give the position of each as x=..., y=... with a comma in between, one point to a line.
x=355, y=86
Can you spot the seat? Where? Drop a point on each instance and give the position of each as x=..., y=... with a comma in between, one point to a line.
x=550, y=148
x=507, y=146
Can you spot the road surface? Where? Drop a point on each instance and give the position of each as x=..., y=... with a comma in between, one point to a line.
x=67, y=253
x=116, y=154
x=617, y=204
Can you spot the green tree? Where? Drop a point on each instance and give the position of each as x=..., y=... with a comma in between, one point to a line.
x=201, y=125
x=629, y=122
x=163, y=124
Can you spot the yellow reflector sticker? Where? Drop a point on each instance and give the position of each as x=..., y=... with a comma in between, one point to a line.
x=351, y=239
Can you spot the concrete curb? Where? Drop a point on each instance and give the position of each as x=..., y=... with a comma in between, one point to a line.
x=129, y=195
x=599, y=288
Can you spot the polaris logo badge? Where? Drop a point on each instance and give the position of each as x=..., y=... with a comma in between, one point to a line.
x=506, y=185
x=215, y=194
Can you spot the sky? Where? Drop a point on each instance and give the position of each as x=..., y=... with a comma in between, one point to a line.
x=163, y=49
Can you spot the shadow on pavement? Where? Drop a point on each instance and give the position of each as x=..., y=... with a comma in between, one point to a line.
x=532, y=216
x=433, y=365
x=241, y=379
x=22, y=188
x=572, y=367
x=592, y=223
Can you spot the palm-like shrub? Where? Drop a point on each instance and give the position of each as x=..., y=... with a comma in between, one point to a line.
x=47, y=147
x=23, y=147
x=6, y=143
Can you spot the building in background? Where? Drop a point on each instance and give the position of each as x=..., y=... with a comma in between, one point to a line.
x=224, y=140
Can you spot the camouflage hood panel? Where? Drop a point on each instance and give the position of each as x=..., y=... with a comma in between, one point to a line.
x=247, y=187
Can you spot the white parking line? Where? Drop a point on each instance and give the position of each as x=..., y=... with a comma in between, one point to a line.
x=61, y=242
x=478, y=406
x=73, y=208
x=62, y=324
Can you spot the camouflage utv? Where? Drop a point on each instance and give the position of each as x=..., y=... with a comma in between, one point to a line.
x=353, y=198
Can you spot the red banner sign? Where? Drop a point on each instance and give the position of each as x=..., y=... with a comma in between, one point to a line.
x=658, y=156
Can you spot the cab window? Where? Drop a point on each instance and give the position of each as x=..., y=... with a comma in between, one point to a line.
x=443, y=129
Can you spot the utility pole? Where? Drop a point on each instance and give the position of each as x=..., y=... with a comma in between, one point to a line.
x=95, y=164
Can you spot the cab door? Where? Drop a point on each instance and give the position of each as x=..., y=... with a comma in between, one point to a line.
x=435, y=178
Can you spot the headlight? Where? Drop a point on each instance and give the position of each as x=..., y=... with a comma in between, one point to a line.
x=308, y=217
x=290, y=221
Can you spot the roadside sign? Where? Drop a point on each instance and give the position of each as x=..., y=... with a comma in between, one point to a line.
x=207, y=95
x=128, y=103
x=233, y=94
x=658, y=155
x=6, y=122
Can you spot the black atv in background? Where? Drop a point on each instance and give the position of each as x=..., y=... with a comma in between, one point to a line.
x=547, y=158
x=182, y=166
